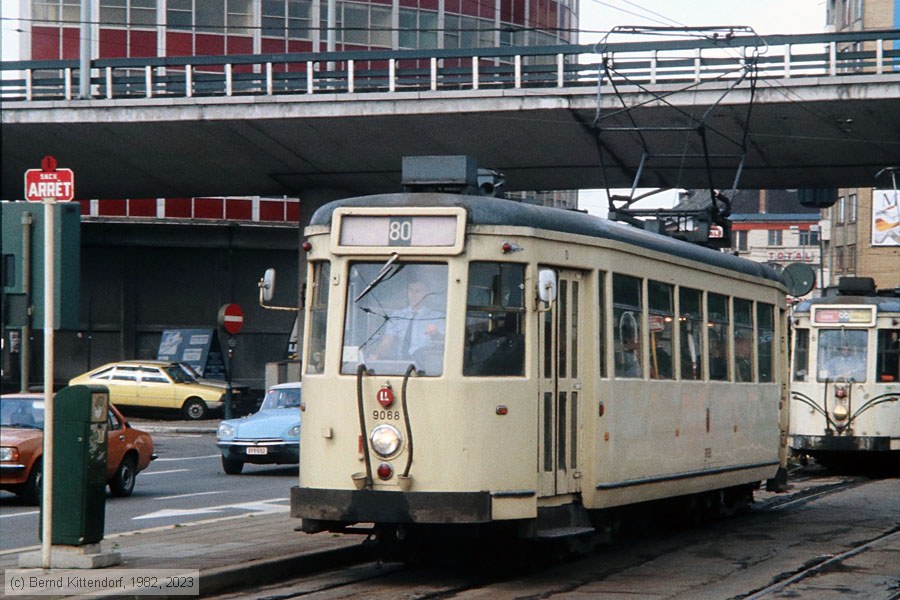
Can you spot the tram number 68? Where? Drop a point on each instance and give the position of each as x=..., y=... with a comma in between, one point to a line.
x=400, y=232
x=386, y=415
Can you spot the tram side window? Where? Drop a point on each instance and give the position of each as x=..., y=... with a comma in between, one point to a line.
x=601, y=286
x=765, y=340
x=717, y=329
x=801, y=354
x=888, y=360
x=495, y=310
x=661, y=297
x=743, y=340
x=690, y=321
x=627, y=317
x=318, y=317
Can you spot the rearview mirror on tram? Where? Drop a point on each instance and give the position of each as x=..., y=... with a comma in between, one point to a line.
x=267, y=286
x=547, y=285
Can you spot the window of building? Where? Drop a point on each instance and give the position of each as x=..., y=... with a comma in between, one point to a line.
x=628, y=314
x=839, y=258
x=239, y=17
x=775, y=237
x=841, y=210
x=66, y=11
x=851, y=258
x=809, y=238
x=851, y=208
x=740, y=240
x=179, y=15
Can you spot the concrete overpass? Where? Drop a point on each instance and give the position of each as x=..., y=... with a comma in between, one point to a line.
x=814, y=111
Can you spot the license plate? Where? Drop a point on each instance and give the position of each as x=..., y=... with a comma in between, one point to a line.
x=257, y=450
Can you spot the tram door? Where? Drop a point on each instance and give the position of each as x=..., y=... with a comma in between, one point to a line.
x=560, y=386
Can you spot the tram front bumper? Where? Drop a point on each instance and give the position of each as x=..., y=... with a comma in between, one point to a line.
x=836, y=443
x=318, y=507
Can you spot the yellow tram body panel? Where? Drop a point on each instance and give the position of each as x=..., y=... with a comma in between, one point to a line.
x=504, y=448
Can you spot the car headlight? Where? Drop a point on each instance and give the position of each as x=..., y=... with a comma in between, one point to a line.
x=9, y=454
x=226, y=431
x=294, y=432
x=386, y=440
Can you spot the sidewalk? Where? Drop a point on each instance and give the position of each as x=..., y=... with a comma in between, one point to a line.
x=230, y=553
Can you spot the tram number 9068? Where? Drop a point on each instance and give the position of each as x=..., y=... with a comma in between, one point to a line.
x=386, y=415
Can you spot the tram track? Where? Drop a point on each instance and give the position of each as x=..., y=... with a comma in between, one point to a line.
x=377, y=579
x=822, y=565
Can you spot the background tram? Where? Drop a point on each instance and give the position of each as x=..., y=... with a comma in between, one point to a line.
x=845, y=388
x=565, y=366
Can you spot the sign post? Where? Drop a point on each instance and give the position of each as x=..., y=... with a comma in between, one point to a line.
x=231, y=319
x=48, y=185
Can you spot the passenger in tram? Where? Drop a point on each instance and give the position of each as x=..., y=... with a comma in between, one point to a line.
x=743, y=353
x=718, y=358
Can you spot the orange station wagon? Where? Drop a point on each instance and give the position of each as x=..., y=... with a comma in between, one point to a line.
x=129, y=450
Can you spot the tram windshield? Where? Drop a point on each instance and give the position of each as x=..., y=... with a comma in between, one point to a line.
x=842, y=354
x=396, y=317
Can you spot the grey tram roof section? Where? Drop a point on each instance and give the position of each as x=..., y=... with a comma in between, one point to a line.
x=482, y=210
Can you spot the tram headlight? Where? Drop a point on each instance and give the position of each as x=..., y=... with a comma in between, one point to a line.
x=386, y=440
x=840, y=412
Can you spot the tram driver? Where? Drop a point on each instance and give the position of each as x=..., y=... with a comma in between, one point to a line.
x=414, y=327
x=846, y=364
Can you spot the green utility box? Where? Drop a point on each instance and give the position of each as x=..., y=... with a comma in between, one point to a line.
x=80, y=424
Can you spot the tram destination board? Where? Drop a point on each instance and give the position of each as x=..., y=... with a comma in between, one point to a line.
x=412, y=230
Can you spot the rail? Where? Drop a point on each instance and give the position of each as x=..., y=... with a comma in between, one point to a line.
x=875, y=53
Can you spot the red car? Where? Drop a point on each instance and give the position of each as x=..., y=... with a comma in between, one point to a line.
x=129, y=450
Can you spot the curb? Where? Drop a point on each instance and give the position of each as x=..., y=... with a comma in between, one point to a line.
x=256, y=573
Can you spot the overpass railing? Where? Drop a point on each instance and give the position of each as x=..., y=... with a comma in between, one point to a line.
x=524, y=67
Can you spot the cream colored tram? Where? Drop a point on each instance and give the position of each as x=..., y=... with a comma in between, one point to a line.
x=574, y=365
x=845, y=388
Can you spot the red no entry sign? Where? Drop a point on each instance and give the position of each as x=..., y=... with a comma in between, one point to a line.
x=231, y=317
x=49, y=183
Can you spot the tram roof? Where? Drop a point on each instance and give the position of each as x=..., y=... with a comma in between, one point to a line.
x=884, y=303
x=493, y=211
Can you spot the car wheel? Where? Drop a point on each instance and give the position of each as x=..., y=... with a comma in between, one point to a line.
x=32, y=490
x=122, y=483
x=195, y=409
x=232, y=467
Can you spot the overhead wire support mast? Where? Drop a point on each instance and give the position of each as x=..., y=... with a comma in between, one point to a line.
x=612, y=75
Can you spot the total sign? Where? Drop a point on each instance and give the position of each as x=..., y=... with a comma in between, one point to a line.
x=49, y=183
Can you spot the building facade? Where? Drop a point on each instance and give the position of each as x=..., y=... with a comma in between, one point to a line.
x=141, y=28
x=862, y=230
x=153, y=264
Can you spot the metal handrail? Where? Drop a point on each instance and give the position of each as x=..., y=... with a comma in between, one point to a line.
x=519, y=67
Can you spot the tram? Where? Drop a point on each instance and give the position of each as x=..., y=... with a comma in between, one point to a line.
x=564, y=366
x=845, y=387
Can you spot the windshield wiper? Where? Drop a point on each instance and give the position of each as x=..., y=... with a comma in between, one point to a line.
x=381, y=275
